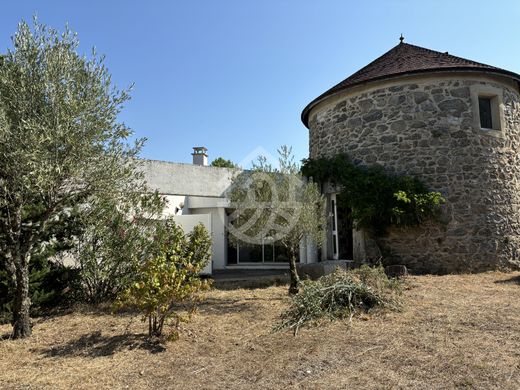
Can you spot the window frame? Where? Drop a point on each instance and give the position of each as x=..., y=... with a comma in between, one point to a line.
x=494, y=94
x=492, y=118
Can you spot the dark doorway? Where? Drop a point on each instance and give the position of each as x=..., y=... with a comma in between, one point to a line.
x=345, y=241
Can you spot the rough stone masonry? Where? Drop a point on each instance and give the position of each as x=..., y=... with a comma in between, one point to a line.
x=425, y=127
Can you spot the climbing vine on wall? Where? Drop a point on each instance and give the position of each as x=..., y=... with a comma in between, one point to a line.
x=377, y=199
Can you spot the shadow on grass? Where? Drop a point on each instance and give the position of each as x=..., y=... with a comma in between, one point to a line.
x=225, y=306
x=96, y=345
x=249, y=306
x=97, y=310
x=249, y=284
x=513, y=280
x=5, y=336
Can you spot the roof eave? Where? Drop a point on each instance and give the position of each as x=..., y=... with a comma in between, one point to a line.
x=326, y=95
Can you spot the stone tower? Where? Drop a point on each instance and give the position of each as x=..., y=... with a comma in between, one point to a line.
x=451, y=122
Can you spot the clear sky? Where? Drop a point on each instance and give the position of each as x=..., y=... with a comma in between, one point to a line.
x=234, y=75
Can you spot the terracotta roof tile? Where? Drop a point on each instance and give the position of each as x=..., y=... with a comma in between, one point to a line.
x=406, y=59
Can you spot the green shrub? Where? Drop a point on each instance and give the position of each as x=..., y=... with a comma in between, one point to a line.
x=116, y=240
x=50, y=285
x=169, y=278
x=341, y=295
x=377, y=199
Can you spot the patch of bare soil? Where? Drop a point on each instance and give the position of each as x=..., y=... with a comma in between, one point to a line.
x=454, y=332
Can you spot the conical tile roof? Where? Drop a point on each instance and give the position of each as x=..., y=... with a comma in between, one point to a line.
x=405, y=59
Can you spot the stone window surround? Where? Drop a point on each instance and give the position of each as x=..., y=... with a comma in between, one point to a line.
x=497, y=108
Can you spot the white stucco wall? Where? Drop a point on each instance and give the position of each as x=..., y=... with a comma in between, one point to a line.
x=218, y=234
x=175, y=205
x=308, y=251
x=201, y=190
x=186, y=179
x=188, y=222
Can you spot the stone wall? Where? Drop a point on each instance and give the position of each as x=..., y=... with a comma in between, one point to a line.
x=426, y=128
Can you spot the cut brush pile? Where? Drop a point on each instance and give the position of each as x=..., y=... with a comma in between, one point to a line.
x=339, y=295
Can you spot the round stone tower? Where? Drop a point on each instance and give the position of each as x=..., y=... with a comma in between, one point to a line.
x=454, y=124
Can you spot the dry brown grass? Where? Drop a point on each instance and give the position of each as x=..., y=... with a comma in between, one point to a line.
x=455, y=332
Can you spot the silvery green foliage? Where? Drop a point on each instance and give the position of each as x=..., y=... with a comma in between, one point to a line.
x=277, y=204
x=61, y=145
x=118, y=237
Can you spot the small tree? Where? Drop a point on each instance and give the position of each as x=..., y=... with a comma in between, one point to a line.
x=117, y=238
x=50, y=283
x=223, y=163
x=277, y=205
x=61, y=145
x=170, y=277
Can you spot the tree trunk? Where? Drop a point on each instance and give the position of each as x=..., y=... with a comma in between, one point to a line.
x=22, y=302
x=11, y=272
x=153, y=325
x=295, y=279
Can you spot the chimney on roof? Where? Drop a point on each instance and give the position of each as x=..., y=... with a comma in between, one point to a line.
x=200, y=157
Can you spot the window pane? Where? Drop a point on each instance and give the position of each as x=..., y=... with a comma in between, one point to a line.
x=333, y=210
x=231, y=251
x=249, y=253
x=484, y=106
x=268, y=252
x=281, y=254
x=232, y=255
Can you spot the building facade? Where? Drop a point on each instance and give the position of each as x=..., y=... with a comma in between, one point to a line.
x=451, y=122
x=197, y=193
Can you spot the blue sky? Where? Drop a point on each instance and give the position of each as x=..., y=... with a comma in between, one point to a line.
x=234, y=75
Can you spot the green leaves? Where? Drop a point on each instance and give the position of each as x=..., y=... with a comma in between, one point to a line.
x=63, y=151
x=59, y=129
x=223, y=163
x=376, y=198
x=276, y=204
x=170, y=276
x=118, y=236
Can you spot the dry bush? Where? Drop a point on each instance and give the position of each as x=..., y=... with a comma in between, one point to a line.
x=453, y=332
x=341, y=295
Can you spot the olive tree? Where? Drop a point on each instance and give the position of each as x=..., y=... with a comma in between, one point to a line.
x=61, y=145
x=278, y=205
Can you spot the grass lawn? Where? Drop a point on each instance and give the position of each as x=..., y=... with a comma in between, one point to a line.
x=454, y=332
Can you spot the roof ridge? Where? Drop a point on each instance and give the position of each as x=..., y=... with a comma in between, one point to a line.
x=448, y=54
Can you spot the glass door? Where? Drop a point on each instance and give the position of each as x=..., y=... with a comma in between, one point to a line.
x=334, y=226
